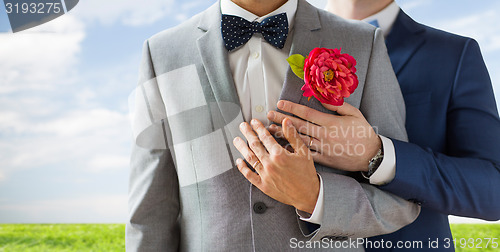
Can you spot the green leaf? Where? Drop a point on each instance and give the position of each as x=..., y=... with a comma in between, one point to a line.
x=296, y=62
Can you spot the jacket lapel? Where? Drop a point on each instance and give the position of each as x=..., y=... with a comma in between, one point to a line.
x=306, y=36
x=404, y=40
x=215, y=60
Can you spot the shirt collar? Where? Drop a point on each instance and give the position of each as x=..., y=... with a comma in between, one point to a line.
x=385, y=17
x=227, y=7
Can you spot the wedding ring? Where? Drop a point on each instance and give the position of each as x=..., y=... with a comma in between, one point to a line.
x=310, y=142
x=256, y=163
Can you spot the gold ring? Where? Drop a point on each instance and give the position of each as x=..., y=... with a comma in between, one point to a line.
x=256, y=163
x=310, y=142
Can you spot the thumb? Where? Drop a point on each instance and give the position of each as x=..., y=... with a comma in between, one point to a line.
x=345, y=110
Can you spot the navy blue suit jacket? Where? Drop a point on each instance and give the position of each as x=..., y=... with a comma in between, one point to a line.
x=451, y=165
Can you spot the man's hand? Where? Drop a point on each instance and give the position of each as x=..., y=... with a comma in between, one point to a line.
x=288, y=177
x=345, y=141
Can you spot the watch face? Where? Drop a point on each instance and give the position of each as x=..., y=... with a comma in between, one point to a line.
x=375, y=162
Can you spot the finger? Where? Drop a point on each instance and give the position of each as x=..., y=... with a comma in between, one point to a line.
x=264, y=136
x=276, y=131
x=321, y=158
x=345, y=110
x=311, y=142
x=251, y=176
x=304, y=112
x=245, y=151
x=292, y=136
x=302, y=126
x=253, y=141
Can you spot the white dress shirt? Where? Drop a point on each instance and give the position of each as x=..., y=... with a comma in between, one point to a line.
x=259, y=68
x=259, y=71
x=385, y=17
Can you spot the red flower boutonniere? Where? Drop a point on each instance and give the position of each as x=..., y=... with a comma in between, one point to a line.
x=329, y=75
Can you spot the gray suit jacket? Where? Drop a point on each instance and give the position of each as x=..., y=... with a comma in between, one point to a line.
x=185, y=191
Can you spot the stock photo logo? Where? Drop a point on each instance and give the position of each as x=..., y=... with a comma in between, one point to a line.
x=26, y=14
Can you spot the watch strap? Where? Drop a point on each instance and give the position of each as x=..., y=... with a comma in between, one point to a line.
x=374, y=163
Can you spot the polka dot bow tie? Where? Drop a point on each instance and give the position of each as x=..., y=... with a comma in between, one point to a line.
x=236, y=31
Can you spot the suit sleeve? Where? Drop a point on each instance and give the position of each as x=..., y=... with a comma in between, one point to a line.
x=153, y=189
x=465, y=180
x=366, y=210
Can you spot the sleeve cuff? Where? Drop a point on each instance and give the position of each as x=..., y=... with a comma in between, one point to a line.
x=387, y=169
x=317, y=214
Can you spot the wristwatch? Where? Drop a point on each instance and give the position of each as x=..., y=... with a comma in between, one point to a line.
x=374, y=163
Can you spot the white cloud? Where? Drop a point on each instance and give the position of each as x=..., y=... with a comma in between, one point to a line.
x=36, y=65
x=73, y=123
x=482, y=26
x=181, y=17
x=133, y=13
x=47, y=119
x=458, y=219
x=86, y=209
x=92, y=140
x=54, y=117
x=86, y=96
x=318, y=3
x=104, y=163
x=37, y=58
x=409, y=5
x=79, y=123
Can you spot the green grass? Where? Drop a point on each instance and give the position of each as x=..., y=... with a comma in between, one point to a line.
x=473, y=235
x=62, y=237
x=111, y=237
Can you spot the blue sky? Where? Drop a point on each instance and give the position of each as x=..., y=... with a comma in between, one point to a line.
x=65, y=136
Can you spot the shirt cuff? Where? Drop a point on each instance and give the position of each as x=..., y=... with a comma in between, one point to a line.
x=317, y=214
x=387, y=169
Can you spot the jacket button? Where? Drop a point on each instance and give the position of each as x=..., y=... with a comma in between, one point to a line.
x=259, y=208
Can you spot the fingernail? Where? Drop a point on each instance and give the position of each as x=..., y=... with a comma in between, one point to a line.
x=242, y=125
x=238, y=161
x=281, y=104
x=270, y=115
x=254, y=122
x=288, y=123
